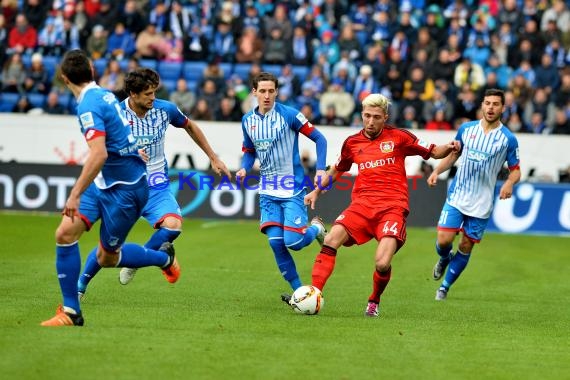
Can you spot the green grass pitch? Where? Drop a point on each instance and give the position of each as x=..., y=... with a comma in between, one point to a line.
x=508, y=317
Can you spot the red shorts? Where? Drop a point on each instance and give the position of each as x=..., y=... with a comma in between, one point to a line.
x=362, y=223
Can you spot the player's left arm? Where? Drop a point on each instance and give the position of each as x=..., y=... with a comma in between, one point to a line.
x=444, y=150
x=92, y=166
x=196, y=133
x=513, y=162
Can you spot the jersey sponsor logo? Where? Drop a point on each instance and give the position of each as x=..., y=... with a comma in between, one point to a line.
x=376, y=163
x=302, y=119
x=423, y=143
x=143, y=140
x=476, y=156
x=387, y=146
x=262, y=145
x=86, y=120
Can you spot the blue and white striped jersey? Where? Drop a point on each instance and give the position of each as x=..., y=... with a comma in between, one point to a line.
x=150, y=131
x=472, y=191
x=100, y=115
x=275, y=139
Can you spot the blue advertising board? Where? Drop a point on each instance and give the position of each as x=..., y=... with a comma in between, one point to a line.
x=534, y=208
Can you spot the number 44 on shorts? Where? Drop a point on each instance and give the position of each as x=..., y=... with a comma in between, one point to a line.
x=390, y=227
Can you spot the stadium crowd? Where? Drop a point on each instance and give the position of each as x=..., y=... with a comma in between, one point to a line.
x=434, y=59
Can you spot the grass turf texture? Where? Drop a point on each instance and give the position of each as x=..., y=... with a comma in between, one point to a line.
x=506, y=318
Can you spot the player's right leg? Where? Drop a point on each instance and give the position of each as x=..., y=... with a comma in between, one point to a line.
x=68, y=265
x=449, y=224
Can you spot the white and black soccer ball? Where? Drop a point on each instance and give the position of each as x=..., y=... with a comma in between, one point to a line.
x=307, y=299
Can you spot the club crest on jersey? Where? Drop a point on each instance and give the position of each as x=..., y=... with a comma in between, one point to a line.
x=86, y=120
x=387, y=146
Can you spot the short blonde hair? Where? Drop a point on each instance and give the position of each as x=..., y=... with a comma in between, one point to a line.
x=377, y=100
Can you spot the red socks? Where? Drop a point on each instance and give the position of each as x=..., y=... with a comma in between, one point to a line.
x=379, y=283
x=324, y=266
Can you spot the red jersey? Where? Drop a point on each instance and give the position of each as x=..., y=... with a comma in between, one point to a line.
x=381, y=176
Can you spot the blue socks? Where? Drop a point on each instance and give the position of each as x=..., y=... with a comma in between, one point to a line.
x=68, y=266
x=92, y=267
x=444, y=253
x=162, y=235
x=297, y=241
x=283, y=257
x=456, y=266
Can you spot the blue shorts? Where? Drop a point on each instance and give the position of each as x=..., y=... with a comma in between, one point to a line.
x=161, y=203
x=451, y=219
x=118, y=207
x=287, y=213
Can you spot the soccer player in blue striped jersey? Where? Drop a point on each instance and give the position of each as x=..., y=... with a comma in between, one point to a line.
x=486, y=145
x=112, y=187
x=149, y=119
x=271, y=134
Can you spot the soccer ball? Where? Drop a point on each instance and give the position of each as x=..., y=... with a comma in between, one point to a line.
x=307, y=299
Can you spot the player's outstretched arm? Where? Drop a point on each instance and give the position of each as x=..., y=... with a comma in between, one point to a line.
x=507, y=189
x=195, y=132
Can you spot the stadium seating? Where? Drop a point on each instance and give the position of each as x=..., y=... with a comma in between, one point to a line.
x=149, y=63
x=242, y=69
x=273, y=69
x=37, y=100
x=50, y=63
x=193, y=70
x=99, y=65
x=169, y=70
x=8, y=100
x=301, y=72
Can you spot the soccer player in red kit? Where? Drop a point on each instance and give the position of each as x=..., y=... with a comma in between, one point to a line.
x=379, y=205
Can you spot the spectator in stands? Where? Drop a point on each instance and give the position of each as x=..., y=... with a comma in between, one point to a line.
x=9, y=9
x=557, y=53
x=82, y=23
x=469, y=73
x=479, y=52
x=226, y=16
x=426, y=42
x=132, y=18
x=329, y=117
x=70, y=35
x=279, y=20
x=23, y=105
x=546, y=75
x=347, y=41
x=196, y=45
x=511, y=107
x=23, y=37
x=438, y=122
x=52, y=105
x=562, y=96
x=97, y=43
x=249, y=46
x=228, y=110
x=3, y=39
x=50, y=39
x=251, y=18
x=521, y=88
x=417, y=90
x=302, y=50
x=394, y=85
x=466, y=105
x=540, y=104
x=364, y=82
x=510, y=14
x=400, y=42
x=209, y=92
x=525, y=69
x=108, y=15
x=214, y=72
x=381, y=32
x=201, y=111
x=37, y=80
x=438, y=103
x=159, y=16
x=561, y=123
x=536, y=125
x=347, y=65
x=276, y=48
x=183, y=97
x=308, y=98
x=501, y=71
x=408, y=119
x=289, y=82
x=113, y=77
x=337, y=97
x=13, y=74
x=443, y=68
x=557, y=12
x=180, y=20
x=121, y=43
x=455, y=50
x=146, y=42
x=361, y=21
x=36, y=12
x=223, y=44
